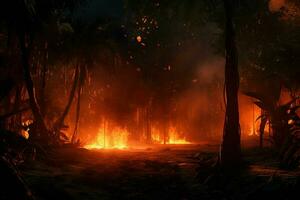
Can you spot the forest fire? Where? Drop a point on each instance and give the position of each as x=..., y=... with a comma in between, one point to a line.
x=170, y=137
x=254, y=122
x=252, y=129
x=110, y=138
x=112, y=99
x=118, y=138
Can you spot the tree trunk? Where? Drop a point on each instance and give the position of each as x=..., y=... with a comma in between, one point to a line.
x=17, y=119
x=43, y=82
x=79, y=92
x=230, y=155
x=29, y=85
x=165, y=133
x=59, y=123
x=262, y=126
x=148, y=125
x=75, y=133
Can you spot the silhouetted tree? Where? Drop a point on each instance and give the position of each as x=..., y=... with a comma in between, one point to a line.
x=230, y=155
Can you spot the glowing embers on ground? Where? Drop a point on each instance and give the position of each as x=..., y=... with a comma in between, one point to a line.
x=110, y=138
x=171, y=136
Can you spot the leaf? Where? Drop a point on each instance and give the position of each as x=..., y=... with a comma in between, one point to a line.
x=294, y=109
x=261, y=105
x=282, y=110
x=65, y=28
x=295, y=131
x=263, y=117
x=288, y=104
x=255, y=95
x=30, y=6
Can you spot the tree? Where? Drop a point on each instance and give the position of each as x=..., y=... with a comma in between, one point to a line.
x=230, y=155
x=25, y=18
x=40, y=124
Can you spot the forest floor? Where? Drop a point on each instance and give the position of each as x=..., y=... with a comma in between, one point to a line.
x=160, y=172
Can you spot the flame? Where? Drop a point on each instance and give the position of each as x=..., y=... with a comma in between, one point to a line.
x=111, y=136
x=116, y=138
x=172, y=136
x=25, y=132
x=155, y=136
x=175, y=137
x=139, y=39
x=253, y=122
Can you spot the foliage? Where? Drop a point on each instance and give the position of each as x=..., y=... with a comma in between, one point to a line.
x=285, y=124
x=268, y=42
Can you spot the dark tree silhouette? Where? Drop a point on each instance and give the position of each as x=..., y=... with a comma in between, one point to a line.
x=60, y=121
x=263, y=122
x=230, y=155
x=29, y=83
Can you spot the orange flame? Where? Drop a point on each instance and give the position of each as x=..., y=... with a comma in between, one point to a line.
x=111, y=136
x=171, y=137
x=176, y=138
x=116, y=138
x=254, y=123
x=25, y=133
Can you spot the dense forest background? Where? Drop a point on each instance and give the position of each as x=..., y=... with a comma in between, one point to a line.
x=69, y=68
x=136, y=56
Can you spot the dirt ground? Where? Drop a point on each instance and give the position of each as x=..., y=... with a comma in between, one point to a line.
x=158, y=172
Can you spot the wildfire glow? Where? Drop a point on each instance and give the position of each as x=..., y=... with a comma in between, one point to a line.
x=254, y=123
x=115, y=138
x=171, y=137
x=275, y=5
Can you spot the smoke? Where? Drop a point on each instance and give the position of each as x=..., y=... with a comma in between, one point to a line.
x=200, y=107
x=211, y=70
